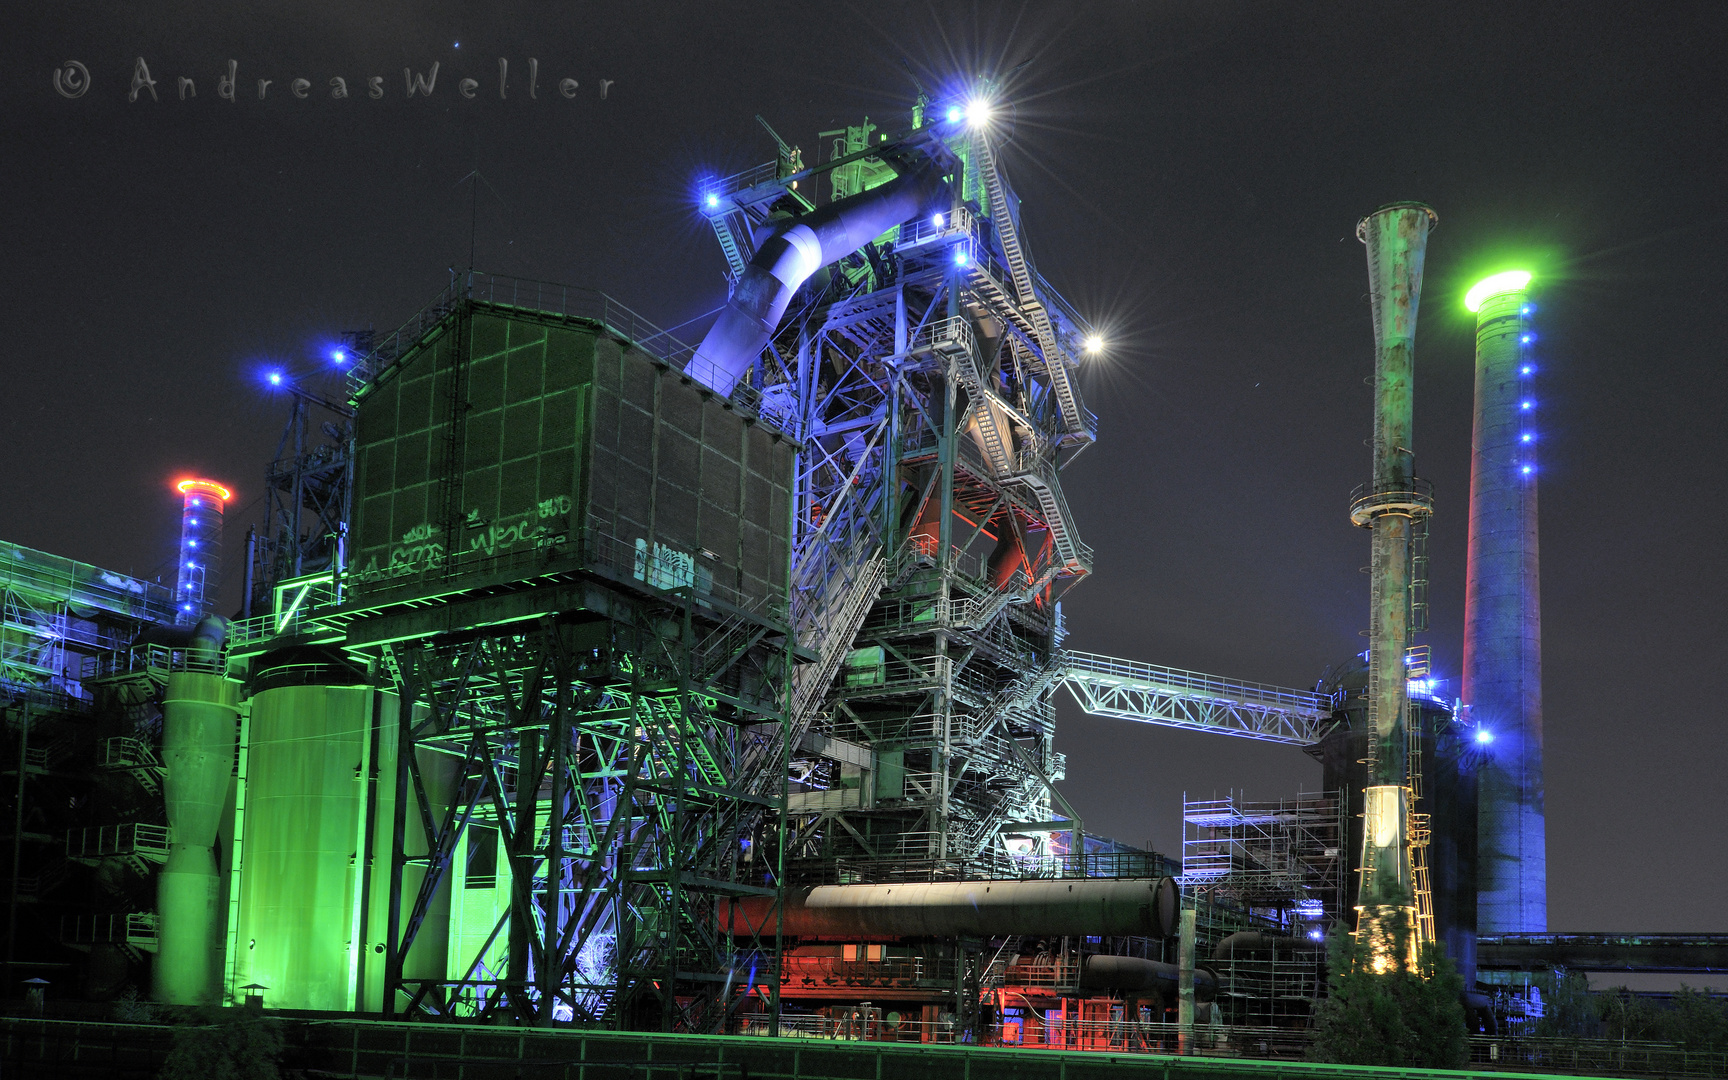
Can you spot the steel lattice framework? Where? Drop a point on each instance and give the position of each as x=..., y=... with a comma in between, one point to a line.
x=1129, y=690
x=930, y=380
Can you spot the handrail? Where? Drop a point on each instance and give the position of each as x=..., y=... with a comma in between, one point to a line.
x=1104, y=668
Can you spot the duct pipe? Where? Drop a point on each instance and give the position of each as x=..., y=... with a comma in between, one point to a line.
x=1392, y=505
x=1254, y=945
x=199, y=711
x=1131, y=975
x=1503, y=618
x=797, y=248
x=1143, y=907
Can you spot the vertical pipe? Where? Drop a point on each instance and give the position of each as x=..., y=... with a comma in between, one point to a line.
x=1396, y=237
x=199, y=573
x=18, y=833
x=1503, y=619
x=558, y=737
x=1185, y=983
x=251, y=563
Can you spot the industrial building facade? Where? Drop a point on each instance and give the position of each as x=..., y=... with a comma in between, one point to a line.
x=588, y=676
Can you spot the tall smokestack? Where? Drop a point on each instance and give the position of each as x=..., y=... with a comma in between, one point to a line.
x=1395, y=505
x=199, y=576
x=1503, y=616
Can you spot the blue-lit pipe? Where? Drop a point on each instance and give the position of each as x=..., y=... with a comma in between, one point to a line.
x=796, y=249
x=1503, y=622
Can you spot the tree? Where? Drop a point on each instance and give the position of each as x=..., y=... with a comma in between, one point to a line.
x=1569, y=1009
x=1404, y=1015
x=229, y=1044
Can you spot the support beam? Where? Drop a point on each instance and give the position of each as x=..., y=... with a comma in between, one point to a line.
x=1130, y=690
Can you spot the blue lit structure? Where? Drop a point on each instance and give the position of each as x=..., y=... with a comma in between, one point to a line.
x=199, y=577
x=1502, y=614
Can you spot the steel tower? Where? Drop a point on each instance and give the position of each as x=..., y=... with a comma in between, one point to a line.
x=1502, y=614
x=929, y=379
x=200, y=548
x=1396, y=506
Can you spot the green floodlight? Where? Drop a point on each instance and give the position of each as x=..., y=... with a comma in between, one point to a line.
x=1507, y=282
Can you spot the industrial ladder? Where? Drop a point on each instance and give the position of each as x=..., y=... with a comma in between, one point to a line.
x=1009, y=235
x=1417, y=831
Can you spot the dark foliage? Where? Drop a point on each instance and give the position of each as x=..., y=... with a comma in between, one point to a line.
x=1410, y=1015
x=227, y=1044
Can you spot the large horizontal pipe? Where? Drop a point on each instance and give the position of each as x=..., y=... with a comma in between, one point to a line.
x=1137, y=907
x=796, y=249
x=1678, y=953
x=1254, y=945
x=1129, y=974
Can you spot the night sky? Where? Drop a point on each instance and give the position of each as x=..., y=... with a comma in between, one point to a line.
x=1192, y=175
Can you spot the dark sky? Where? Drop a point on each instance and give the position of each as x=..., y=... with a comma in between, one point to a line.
x=1192, y=176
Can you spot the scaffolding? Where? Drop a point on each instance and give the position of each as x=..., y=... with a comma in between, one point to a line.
x=1269, y=879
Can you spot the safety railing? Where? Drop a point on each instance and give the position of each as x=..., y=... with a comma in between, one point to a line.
x=1098, y=668
x=1408, y=498
x=156, y=661
x=134, y=838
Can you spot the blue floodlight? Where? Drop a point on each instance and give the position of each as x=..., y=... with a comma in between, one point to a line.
x=955, y=113
x=339, y=355
x=713, y=201
x=1526, y=404
x=1526, y=470
x=959, y=256
x=274, y=378
x=1526, y=437
x=1484, y=736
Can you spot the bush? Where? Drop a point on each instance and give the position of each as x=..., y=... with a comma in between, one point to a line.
x=1409, y=1016
x=228, y=1044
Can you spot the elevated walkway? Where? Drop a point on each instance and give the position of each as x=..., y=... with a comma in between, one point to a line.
x=1130, y=690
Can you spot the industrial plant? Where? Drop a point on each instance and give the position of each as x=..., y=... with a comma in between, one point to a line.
x=583, y=675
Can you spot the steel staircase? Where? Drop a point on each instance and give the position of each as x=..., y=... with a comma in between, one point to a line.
x=1072, y=555
x=1008, y=233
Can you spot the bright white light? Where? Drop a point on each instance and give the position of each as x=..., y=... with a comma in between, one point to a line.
x=936, y=221
x=1316, y=934
x=1094, y=343
x=977, y=112
x=1483, y=735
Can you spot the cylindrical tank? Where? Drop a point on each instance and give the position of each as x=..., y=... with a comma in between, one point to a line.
x=1140, y=907
x=199, y=713
x=305, y=930
x=1502, y=613
x=199, y=577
